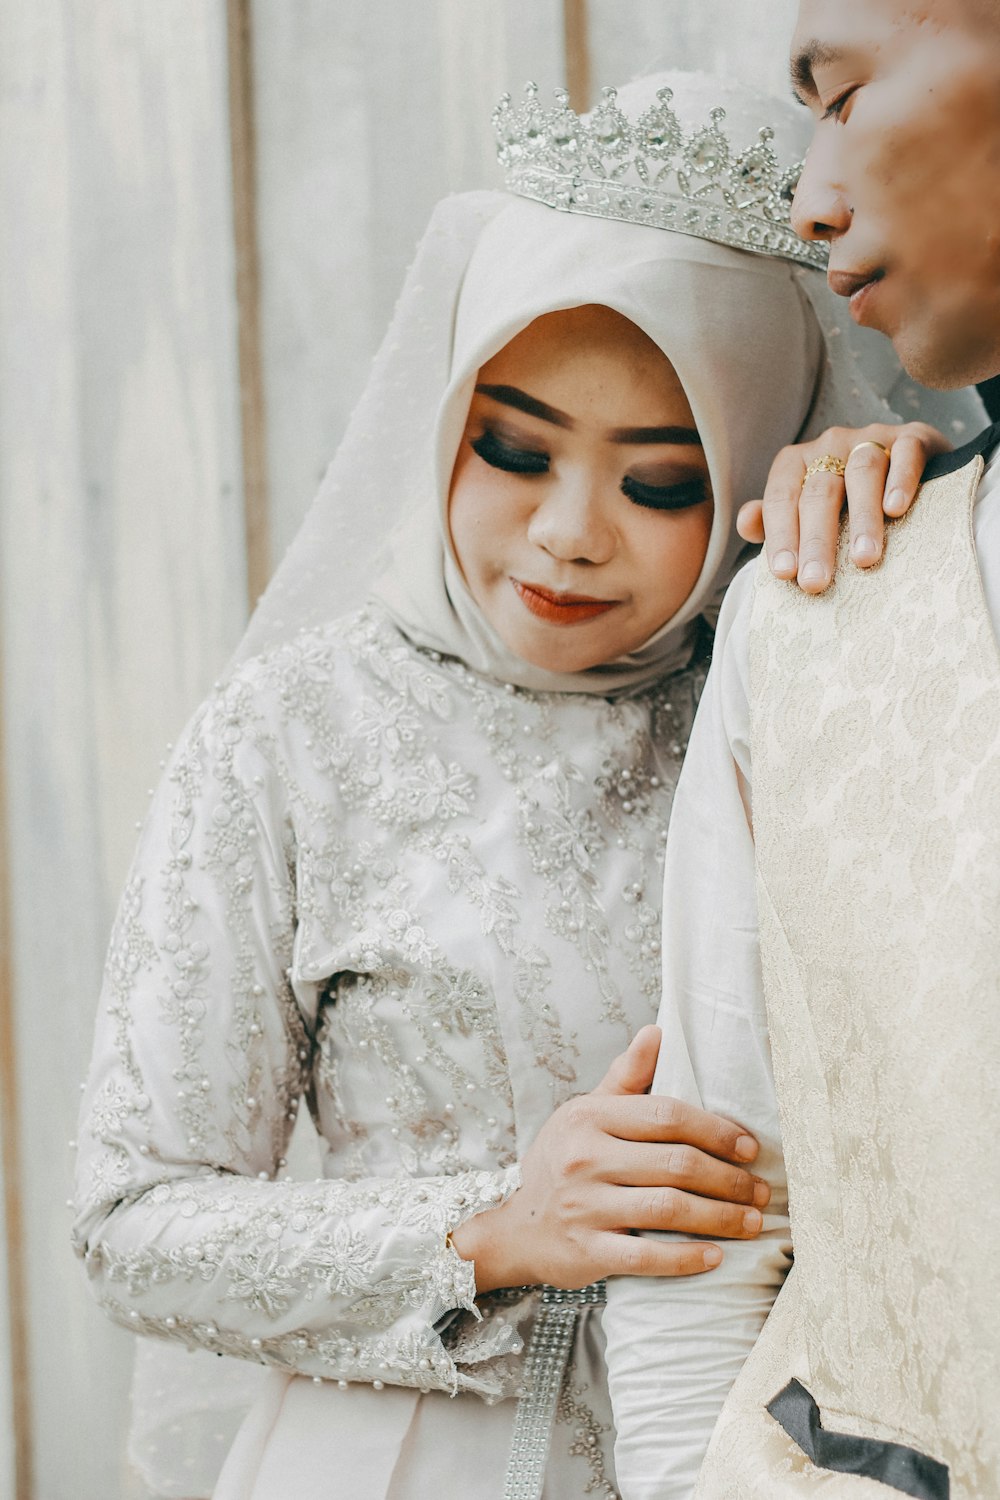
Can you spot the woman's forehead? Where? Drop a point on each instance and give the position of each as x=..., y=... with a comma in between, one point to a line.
x=587, y=359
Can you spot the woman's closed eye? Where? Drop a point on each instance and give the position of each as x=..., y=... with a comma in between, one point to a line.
x=681, y=496
x=499, y=454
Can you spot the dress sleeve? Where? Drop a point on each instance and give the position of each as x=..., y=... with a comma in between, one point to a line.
x=675, y=1346
x=202, y=1053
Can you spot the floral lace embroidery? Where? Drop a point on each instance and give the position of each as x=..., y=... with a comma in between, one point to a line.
x=380, y=883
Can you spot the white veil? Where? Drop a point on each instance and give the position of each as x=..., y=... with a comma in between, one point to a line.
x=766, y=355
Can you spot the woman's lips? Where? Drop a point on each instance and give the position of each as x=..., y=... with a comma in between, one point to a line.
x=561, y=609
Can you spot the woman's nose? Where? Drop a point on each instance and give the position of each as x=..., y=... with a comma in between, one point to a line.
x=820, y=208
x=571, y=523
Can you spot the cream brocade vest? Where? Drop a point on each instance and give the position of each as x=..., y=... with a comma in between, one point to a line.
x=876, y=791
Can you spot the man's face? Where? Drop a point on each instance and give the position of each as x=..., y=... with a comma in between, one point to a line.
x=903, y=176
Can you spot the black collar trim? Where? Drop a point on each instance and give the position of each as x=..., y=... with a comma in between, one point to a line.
x=950, y=463
x=901, y=1469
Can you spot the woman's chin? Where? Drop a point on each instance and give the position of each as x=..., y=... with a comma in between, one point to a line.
x=558, y=656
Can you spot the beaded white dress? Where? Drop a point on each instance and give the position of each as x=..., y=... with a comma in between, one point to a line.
x=428, y=904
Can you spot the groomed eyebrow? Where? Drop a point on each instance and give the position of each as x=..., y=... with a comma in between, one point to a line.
x=812, y=55
x=686, y=436
x=509, y=395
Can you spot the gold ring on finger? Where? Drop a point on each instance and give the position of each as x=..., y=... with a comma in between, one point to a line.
x=868, y=443
x=829, y=463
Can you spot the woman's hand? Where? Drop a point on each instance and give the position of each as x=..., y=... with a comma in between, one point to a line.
x=799, y=524
x=611, y=1161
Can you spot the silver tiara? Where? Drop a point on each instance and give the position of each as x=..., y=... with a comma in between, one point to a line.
x=651, y=171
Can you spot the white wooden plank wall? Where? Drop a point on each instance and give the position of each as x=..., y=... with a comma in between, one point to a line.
x=747, y=39
x=389, y=111
x=122, y=542
x=123, y=572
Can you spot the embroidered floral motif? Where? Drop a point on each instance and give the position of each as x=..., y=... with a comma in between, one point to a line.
x=379, y=883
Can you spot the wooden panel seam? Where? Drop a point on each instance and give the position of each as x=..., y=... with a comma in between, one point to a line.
x=576, y=44
x=10, y=1164
x=239, y=41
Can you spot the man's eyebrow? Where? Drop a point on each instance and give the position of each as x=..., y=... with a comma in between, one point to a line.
x=812, y=55
x=688, y=436
x=509, y=395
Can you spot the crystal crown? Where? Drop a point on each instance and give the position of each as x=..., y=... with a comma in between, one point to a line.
x=652, y=171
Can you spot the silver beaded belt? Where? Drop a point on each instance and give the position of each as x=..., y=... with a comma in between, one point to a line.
x=545, y=1369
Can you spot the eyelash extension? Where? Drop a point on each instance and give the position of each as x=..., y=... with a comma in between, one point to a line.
x=511, y=460
x=665, y=496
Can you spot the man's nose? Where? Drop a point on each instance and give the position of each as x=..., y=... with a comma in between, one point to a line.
x=571, y=523
x=821, y=209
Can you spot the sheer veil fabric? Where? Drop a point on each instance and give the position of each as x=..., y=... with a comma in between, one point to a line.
x=766, y=355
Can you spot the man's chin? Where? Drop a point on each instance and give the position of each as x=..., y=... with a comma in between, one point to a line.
x=946, y=363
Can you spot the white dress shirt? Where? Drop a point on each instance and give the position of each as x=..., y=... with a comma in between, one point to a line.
x=674, y=1347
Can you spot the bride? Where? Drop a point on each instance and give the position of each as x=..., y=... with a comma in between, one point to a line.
x=405, y=865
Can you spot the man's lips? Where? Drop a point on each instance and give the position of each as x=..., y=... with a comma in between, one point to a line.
x=560, y=609
x=857, y=286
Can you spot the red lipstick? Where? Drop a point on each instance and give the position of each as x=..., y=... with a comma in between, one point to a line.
x=561, y=609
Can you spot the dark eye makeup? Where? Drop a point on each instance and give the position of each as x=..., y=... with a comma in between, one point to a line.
x=499, y=454
x=666, y=496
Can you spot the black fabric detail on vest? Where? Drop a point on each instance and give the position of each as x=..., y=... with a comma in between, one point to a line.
x=949, y=463
x=902, y=1469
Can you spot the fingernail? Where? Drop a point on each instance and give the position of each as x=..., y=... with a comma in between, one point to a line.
x=711, y=1255
x=813, y=572
x=761, y=1194
x=746, y=1147
x=784, y=562
x=894, y=502
x=864, y=549
x=752, y=1220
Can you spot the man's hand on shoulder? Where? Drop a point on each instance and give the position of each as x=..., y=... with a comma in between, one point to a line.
x=875, y=469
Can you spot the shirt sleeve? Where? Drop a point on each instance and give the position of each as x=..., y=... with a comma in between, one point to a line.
x=203, y=1051
x=675, y=1345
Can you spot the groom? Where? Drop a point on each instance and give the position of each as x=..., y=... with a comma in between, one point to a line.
x=853, y=916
